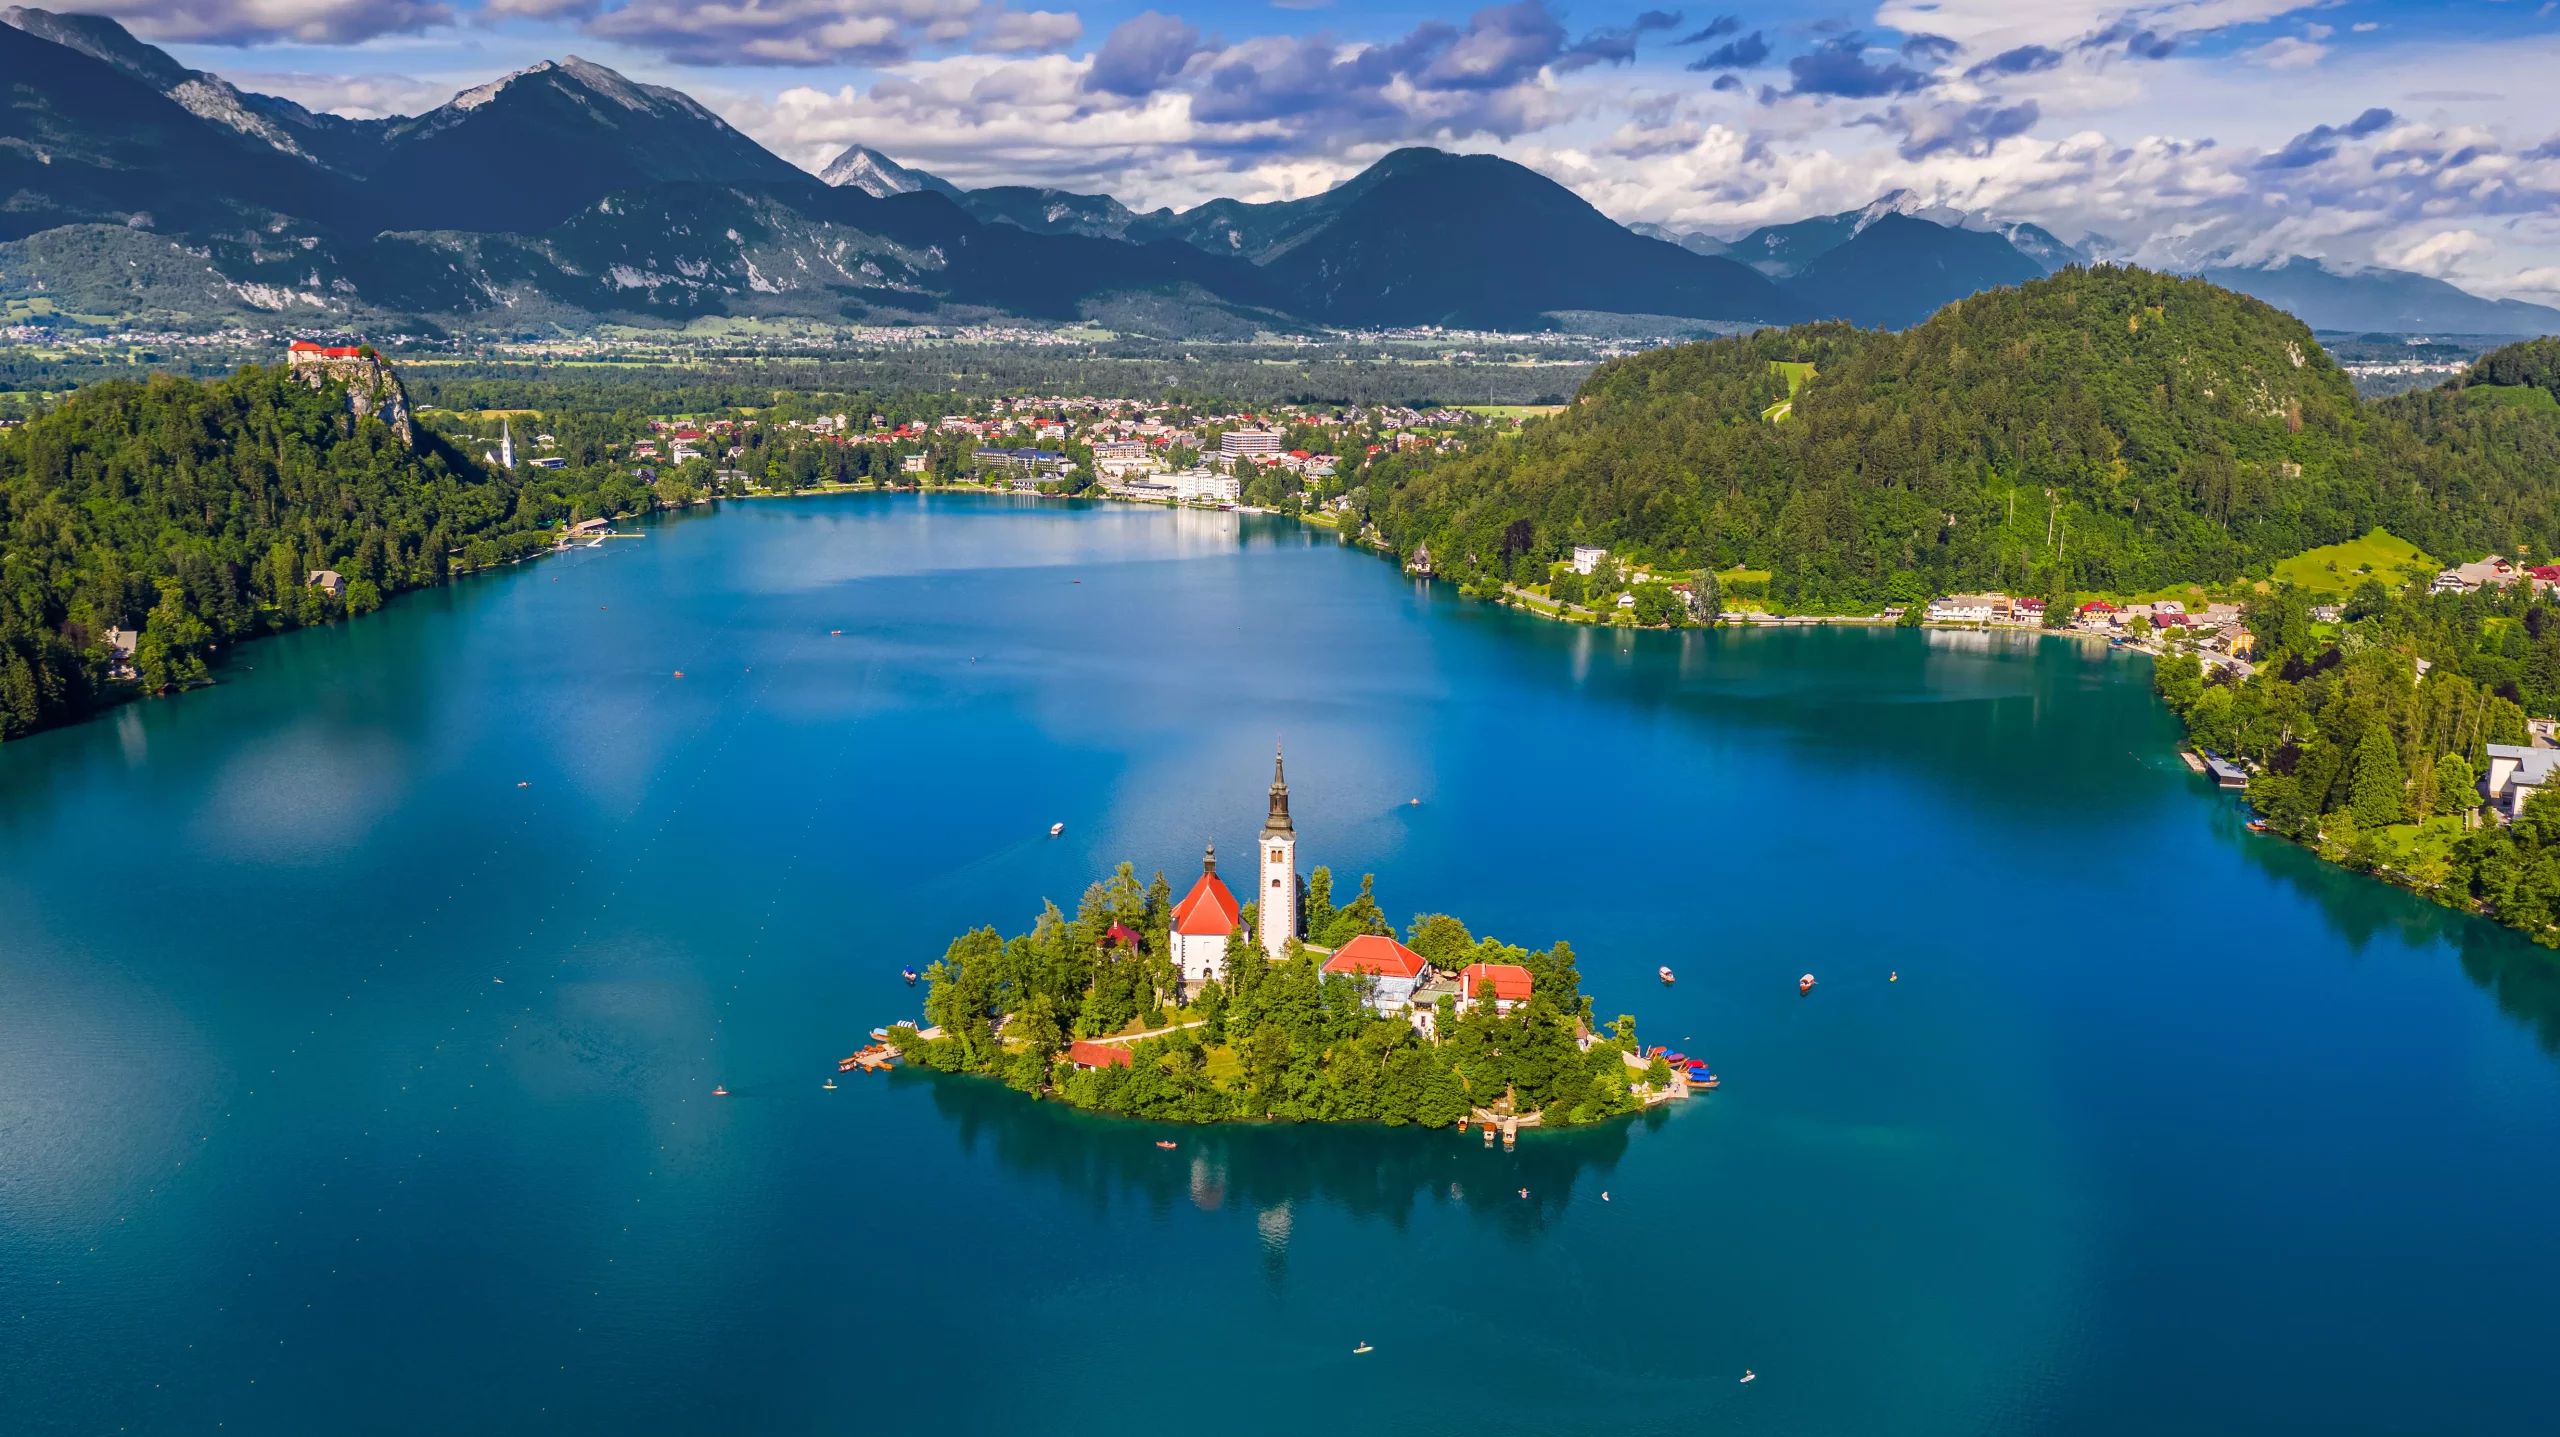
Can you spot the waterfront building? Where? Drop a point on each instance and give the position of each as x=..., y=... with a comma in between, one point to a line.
x=1276, y=896
x=1587, y=557
x=1398, y=969
x=1085, y=1053
x=1191, y=484
x=1507, y=985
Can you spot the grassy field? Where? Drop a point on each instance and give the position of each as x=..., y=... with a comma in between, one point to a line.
x=2339, y=568
x=1797, y=372
x=1513, y=411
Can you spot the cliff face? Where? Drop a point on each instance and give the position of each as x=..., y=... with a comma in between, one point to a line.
x=373, y=388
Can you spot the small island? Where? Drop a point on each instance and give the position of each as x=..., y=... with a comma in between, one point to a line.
x=1198, y=1011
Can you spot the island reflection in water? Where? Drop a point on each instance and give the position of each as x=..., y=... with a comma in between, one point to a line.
x=1367, y=1170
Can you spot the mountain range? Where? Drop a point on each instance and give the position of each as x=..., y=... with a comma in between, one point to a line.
x=565, y=194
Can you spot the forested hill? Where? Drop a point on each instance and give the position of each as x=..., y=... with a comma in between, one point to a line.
x=194, y=513
x=2099, y=429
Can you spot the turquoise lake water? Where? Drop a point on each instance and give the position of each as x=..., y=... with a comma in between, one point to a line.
x=2164, y=1128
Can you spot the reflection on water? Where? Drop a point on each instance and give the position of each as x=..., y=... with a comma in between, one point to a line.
x=1269, y=1169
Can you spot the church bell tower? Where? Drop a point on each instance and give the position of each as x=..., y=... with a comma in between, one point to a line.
x=1277, y=898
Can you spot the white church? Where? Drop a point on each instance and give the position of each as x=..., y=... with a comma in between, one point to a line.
x=1210, y=911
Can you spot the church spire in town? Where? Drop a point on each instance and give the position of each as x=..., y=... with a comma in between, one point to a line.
x=1279, y=820
x=1276, y=894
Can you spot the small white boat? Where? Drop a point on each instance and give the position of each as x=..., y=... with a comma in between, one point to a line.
x=1056, y=828
x=1747, y=1374
x=881, y=1034
x=1805, y=984
x=1665, y=971
x=1363, y=1347
x=829, y=1083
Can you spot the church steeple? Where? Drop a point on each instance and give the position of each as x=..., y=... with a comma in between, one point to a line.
x=1279, y=820
x=1276, y=889
x=1209, y=861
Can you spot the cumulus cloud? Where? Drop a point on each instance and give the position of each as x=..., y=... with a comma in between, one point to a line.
x=2321, y=141
x=812, y=32
x=358, y=97
x=2024, y=60
x=260, y=22
x=2440, y=254
x=1747, y=53
x=1717, y=28
x=2287, y=52
x=1839, y=66
x=1143, y=54
x=1019, y=32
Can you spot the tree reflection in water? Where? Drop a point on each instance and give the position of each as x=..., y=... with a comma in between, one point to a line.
x=1273, y=1171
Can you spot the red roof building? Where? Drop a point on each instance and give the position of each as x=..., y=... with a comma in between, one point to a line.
x=1087, y=1054
x=302, y=350
x=1385, y=957
x=1201, y=923
x=1505, y=983
x=1122, y=935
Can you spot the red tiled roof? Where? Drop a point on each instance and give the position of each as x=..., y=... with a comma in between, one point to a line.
x=1370, y=953
x=1509, y=981
x=1121, y=934
x=1097, y=1055
x=1208, y=909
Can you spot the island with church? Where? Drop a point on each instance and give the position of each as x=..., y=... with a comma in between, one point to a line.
x=1285, y=1004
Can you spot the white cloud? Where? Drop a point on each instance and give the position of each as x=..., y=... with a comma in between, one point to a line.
x=2439, y=254
x=254, y=22
x=358, y=97
x=812, y=32
x=2286, y=52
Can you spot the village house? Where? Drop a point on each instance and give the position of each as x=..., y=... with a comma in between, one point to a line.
x=328, y=581
x=1587, y=557
x=1398, y=970
x=1087, y=1054
x=1970, y=609
x=1505, y=985
x=2492, y=571
x=2516, y=774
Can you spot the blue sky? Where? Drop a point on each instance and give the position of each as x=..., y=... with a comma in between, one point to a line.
x=2422, y=136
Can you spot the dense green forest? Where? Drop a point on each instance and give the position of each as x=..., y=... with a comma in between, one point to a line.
x=1278, y=1039
x=2370, y=737
x=2107, y=429
x=195, y=512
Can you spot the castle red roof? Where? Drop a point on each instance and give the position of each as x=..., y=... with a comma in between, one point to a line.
x=1208, y=910
x=1086, y=1054
x=1370, y=953
x=1509, y=981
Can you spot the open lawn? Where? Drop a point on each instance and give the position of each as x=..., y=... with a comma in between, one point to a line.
x=1513, y=411
x=1797, y=372
x=2339, y=568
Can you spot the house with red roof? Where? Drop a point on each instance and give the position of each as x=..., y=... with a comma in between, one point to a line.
x=1087, y=1054
x=1396, y=969
x=1201, y=923
x=1507, y=984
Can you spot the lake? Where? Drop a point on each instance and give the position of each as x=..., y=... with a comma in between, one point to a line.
x=360, y=1016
